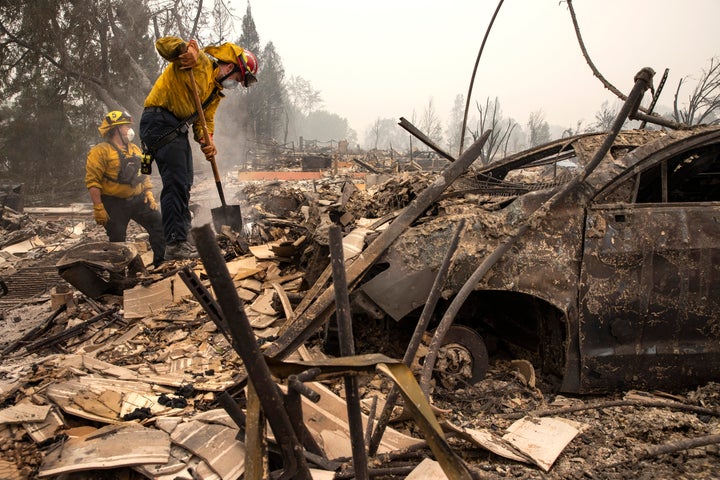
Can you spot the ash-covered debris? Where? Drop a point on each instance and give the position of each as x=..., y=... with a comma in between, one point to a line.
x=158, y=365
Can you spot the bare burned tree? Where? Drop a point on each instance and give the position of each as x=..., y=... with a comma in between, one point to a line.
x=455, y=128
x=572, y=131
x=491, y=118
x=375, y=131
x=604, y=118
x=302, y=95
x=430, y=122
x=185, y=19
x=538, y=128
x=223, y=23
x=100, y=47
x=302, y=99
x=703, y=105
x=383, y=133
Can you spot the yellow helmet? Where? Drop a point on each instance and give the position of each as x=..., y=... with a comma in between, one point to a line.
x=227, y=52
x=244, y=59
x=112, y=120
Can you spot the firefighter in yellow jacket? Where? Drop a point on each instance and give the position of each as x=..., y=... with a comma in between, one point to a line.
x=118, y=190
x=170, y=109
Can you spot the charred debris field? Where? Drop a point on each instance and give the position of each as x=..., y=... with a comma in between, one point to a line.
x=588, y=348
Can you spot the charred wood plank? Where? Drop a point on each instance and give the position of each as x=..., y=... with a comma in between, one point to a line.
x=649, y=403
x=72, y=331
x=233, y=409
x=35, y=332
x=367, y=166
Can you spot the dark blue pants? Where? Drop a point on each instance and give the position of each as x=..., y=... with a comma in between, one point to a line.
x=122, y=210
x=174, y=162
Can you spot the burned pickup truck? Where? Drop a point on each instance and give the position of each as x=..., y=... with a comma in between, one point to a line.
x=616, y=286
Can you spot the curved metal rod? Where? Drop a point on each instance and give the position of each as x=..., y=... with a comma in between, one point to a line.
x=472, y=79
x=462, y=295
x=594, y=69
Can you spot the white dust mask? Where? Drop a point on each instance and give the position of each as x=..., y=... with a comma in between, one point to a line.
x=229, y=83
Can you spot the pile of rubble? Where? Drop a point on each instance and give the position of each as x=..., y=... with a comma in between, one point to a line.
x=155, y=380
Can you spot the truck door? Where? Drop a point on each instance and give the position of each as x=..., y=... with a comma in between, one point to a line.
x=650, y=278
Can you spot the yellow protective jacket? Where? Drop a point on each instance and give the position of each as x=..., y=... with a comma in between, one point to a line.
x=102, y=168
x=173, y=91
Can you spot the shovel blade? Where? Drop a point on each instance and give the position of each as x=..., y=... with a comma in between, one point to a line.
x=227, y=215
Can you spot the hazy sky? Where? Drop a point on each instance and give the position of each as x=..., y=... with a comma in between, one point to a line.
x=386, y=59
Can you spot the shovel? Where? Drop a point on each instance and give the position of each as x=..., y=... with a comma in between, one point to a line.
x=224, y=214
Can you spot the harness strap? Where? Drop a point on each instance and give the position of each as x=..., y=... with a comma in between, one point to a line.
x=181, y=128
x=121, y=157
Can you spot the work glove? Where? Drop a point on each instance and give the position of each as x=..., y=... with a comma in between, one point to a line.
x=188, y=59
x=100, y=214
x=209, y=149
x=150, y=200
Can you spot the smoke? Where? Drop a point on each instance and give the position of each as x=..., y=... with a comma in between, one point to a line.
x=231, y=119
x=233, y=154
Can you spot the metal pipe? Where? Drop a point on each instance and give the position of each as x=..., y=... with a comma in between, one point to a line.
x=370, y=422
x=70, y=332
x=413, y=130
x=206, y=300
x=293, y=404
x=233, y=410
x=347, y=348
x=656, y=96
x=414, y=344
x=295, y=465
x=663, y=122
x=298, y=386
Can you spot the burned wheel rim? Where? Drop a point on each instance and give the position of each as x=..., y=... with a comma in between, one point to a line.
x=462, y=358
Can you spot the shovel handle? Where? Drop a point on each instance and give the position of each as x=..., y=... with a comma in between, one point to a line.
x=206, y=134
x=198, y=106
